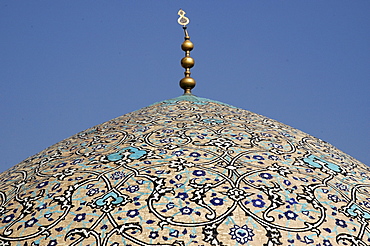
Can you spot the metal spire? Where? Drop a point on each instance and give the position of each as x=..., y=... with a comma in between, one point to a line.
x=187, y=83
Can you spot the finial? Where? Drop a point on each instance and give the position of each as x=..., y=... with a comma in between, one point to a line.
x=187, y=83
x=182, y=20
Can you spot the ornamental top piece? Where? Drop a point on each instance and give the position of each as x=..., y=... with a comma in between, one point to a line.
x=182, y=20
x=187, y=83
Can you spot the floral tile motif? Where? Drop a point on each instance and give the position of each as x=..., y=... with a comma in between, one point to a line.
x=187, y=171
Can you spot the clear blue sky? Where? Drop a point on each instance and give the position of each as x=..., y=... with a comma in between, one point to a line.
x=68, y=65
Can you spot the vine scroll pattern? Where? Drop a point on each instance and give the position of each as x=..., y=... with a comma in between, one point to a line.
x=187, y=171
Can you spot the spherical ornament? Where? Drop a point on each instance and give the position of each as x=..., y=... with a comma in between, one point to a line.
x=187, y=45
x=187, y=62
x=187, y=83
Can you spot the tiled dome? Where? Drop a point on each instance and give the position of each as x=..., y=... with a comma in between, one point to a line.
x=187, y=171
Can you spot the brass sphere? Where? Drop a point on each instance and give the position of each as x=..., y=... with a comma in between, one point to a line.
x=187, y=45
x=187, y=83
x=187, y=62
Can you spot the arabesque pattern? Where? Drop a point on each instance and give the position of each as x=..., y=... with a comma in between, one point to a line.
x=187, y=171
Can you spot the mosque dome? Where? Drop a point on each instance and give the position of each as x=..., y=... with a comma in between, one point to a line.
x=187, y=171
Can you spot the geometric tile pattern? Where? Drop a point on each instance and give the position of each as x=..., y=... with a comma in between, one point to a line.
x=187, y=171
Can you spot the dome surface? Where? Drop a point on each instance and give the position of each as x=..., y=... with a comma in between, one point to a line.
x=187, y=171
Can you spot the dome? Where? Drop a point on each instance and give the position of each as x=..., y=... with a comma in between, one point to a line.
x=187, y=171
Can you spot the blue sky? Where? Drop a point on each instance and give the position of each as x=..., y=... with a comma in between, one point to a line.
x=68, y=65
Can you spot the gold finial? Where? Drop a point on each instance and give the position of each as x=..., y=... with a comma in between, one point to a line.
x=187, y=83
x=182, y=20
